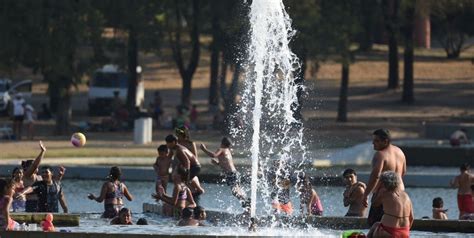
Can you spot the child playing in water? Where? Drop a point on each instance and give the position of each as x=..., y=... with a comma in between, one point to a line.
x=354, y=194
x=6, y=193
x=438, y=211
x=124, y=217
x=161, y=167
x=463, y=182
x=182, y=196
x=18, y=203
x=281, y=202
x=309, y=198
x=223, y=158
x=187, y=218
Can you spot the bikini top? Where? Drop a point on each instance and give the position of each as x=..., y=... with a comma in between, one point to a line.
x=117, y=193
x=182, y=195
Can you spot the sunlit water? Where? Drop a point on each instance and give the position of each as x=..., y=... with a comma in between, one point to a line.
x=219, y=197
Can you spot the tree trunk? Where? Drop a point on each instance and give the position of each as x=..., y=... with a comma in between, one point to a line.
x=230, y=105
x=342, y=108
x=132, y=69
x=391, y=9
x=408, y=81
x=63, y=115
x=368, y=19
x=175, y=42
x=214, y=84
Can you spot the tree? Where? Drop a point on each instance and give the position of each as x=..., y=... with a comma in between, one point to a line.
x=142, y=22
x=50, y=35
x=338, y=30
x=452, y=24
x=391, y=18
x=184, y=14
x=408, y=53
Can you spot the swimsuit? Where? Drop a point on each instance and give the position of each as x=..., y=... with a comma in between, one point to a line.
x=194, y=171
x=396, y=232
x=182, y=195
x=317, y=208
x=110, y=209
x=465, y=203
x=18, y=204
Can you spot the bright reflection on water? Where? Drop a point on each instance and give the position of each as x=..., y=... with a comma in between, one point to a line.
x=219, y=197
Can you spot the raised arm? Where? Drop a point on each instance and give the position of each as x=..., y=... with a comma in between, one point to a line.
x=210, y=153
x=377, y=165
x=33, y=167
x=61, y=173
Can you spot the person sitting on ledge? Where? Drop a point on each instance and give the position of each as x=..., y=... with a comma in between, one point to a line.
x=397, y=216
x=124, y=217
x=439, y=212
x=187, y=218
x=459, y=137
x=354, y=194
x=309, y=199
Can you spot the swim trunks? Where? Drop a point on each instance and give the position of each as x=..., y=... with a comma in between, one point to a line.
x=194, y=171
x=465, y=203
x=375, y=214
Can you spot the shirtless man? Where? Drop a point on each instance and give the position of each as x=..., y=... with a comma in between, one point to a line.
x=353, y=195
x=186, y=159
x=387, y=158
x=161, y=167
x=397, y=216
x=463, y=182
x=223, y=158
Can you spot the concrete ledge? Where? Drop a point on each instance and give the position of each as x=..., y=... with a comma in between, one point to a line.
x=337, y=223
x=60, y=219
x=433, y=155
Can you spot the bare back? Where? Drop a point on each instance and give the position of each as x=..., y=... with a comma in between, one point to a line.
x=184, y=154
x=398, y=210
x=463, y=183
x=393, y=159
x=225, y=160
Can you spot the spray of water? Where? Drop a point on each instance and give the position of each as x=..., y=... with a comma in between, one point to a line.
x=268, y=100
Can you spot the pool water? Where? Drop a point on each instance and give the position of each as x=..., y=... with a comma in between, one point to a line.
x=219, y=197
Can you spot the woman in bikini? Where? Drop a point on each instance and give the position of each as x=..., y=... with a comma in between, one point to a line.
x=18, y=203
x=112, y=194
x=182, y=196
x=309, y=198
x=398, y=209
x=6, y=193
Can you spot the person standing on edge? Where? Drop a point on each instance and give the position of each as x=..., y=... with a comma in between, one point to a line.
x=387, y=158
x=18, y=115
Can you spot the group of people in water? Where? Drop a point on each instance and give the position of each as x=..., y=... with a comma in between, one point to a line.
x=390, y=212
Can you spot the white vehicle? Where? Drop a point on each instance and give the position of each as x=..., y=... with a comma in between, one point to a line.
x=104, y=83
x=7, y=92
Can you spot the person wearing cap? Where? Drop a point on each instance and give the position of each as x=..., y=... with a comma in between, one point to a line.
x=18, y=115
x=387, y=157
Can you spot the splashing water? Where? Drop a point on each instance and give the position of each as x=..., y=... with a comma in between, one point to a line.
x=268, y=100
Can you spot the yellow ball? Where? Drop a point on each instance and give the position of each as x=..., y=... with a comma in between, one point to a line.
x=78, y=139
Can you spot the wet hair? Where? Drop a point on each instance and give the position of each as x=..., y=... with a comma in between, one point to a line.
x=187, y=213
x=25, y=164
x=124, y=210
x=16, y=169
x=390, y=180
x=162, y=148
x=142, y=221
x=226, y=142
x=464, y=167
x=115, y=173
x=171, y=138
x=198, y=210
x=383, y=134
x=438, y=202
x=182, y=131
x=348, y=172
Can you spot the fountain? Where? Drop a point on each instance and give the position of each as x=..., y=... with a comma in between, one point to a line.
x=269, y=98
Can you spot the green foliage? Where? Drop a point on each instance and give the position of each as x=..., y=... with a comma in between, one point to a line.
x=452, y=24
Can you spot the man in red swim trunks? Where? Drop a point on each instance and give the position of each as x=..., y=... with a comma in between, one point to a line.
x=463, y=182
